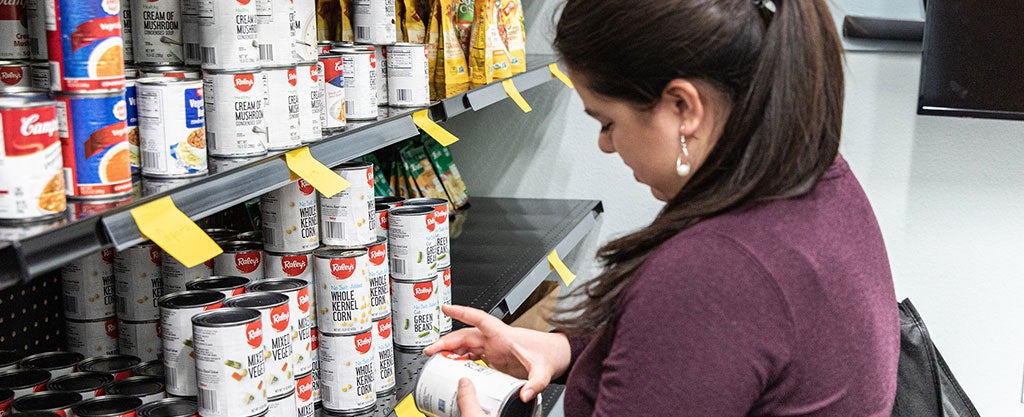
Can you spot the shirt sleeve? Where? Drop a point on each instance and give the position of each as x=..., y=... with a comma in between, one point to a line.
x=703, y=330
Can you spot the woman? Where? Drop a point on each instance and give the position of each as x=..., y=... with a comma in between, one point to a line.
x=763, y=287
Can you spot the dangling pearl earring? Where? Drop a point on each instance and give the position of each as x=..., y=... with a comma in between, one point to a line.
x=683, y=167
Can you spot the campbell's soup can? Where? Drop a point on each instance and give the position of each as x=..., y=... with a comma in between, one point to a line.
x=31, y=178
x=137, y=282
x=171, y=71
x=378, y=273
x=305, y=30
x=55, y=402
x=146, y=388
x=230, y=286
x=24, y=381
x=14, y=74
x=291, y=221
x=94, y=137
x=310, y=102
x=190, y=35
x=175, y=275
x=360, y=70
x=283, y=127
x=87, y=384
x=442, y=227
x=88, y=286
x=140, y=339
x=288, y=265
x=276, y=34
x=172, y=127
x=36, y=16
x=170, y=407
x=373, y=21
x=342, y=291
x=334, y=91
x=14, y=34
x=92, y=337
x=119, y=365
x=57, y=363
x=235, y=112
x=40, y=75
x=345, y=218
x=277, y=338
x=346, y=372
x=324, y=47
x=412, y=242
x=176, y=312
x=228, y=34
x=408, y=75
x=304, y=395
x=107, y=406
x=299, y=303
x=132, y=119
x=127, y=35
x=230, y=362
x=156, y=31
x=438, y=384
x=384, y=361
x=85, y=45
x=240, y=258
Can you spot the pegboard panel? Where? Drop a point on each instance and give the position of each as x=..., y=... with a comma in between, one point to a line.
x=31, y=317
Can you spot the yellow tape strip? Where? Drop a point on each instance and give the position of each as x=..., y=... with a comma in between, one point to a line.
x=513, y=92
x=407, y=408
x=302, y=164
x=162, y=222
x=563, y=271
x=557, y=73
x=442, y=136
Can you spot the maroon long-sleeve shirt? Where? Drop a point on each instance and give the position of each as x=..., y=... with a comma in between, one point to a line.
x=783, y=309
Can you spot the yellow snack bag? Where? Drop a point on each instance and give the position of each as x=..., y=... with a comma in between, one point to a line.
x=513, y=31
x=400, y=21
x=450, y=70
x=435, y=47
x=488, y=58
x=414, y=29
x=328, y=20
x=346, y=35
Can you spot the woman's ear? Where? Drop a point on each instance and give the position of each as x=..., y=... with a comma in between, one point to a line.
x=684, y=98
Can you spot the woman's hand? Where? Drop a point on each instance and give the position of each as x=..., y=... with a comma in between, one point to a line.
x=535, y=356
x=469, y=406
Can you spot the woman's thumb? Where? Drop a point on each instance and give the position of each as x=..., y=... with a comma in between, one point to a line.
x=469, y=405
x=537, y=378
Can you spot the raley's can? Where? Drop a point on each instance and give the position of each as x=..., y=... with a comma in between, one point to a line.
x=443, y=283
x=230, y=286
x=412, y=242
x=315, y=337
x=107, y=406
x=146, y=388
x=380, y=220
x=24, y=381
x=304, y=395
x=94, y=138
x=156, y=32
x=85, y=45
x=92, y=337
x=14, y=35
x=230, y=362
x=442, y=227
x=31, y=179
x=408, y=76
x=40, y=74
x=88, y=286
x=137, y=282
x=127, y=34
x=240, y=258
x=384, y=361
x=342, y=291
x=291, y=221
x=311, y=101
x=346, y=370
x=345, y=218
x=377, y=272
x=228, y=33
x=36, y=16
x=175, y=275
x=283, y=99
x=276, y=35
x=14, y=74
x=46, y=402
x=172, y=127
x=305, y=30
x=171, y=71
x=277, y=338
x=140, y=339
x=498, y=393
x=57, y=363
x=334, y=91
x=415, y=309
x=87, y=384
x=299, y=303
x=176, y=312
x=235, y=112
x=282, y=406
x=360, y=69
x=170, y=407
x=120, y=366
x=131, y=101
x=288, y=265
x=373, y=21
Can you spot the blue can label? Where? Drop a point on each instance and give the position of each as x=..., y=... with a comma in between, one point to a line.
x=85, y=44
x=132, y=106
x=94, y=135
x=194, y=108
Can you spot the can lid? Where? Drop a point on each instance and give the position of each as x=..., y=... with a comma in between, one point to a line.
x=353, y=165
x=46, y=401
x=107, y=406
x=169, y=407
x=336, y=253
x=240, y=246
x=218, y=283
x=355, y=51
x=164, y=68
x=277, y=285
x=10, y=357
x=388, y=199
x=80, y=381
x=425, y=202
x=252, y=70
x=191, y=299
x=51, y=360
x=410, y=211
x=22, y=102
x=219, y=234
x=257, y=300
x=381, y=207
x=167, y=81
x=150, y=368
x=109, y=363
x=22, y=378
x=254, y=236
x=225, y=317
x=335, y=53
x=136, y=386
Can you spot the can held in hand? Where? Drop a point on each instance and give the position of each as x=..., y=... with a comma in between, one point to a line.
x=85, y=45
x=310, y=102
x=120, y=366
x=92, y=337
x=498, y=393
x=334, y=91
x=172, y=127
x=175, y=275
x=346, y=370
x=345, y=218
x=87, y=384
x=57, y=363
x=56, y=402
x=283, y=132
x=230, y=362
x=415, y=309
x=373, y=21
x=36, y=16
x=288, y=265
x=360, y=69
x=228, y=34
x=235, y=112
x=291, y=221
x=14, y=74
x=140, y=339
x=146, y=388
x=94, y=138
x=176, y=312
x=408, y=76
x=107, y=406
x=384, y=362
x=276, y=35
x=277, y=338
x=441, y=227
x=305, y=31
x=304, y=395
x=137, y=282
x=230, y=286
x=32, y=184
x=240, y=258
x=412, y=242
x=156, y=32
x=299, y=303
x=342, y=291
x=88, y=286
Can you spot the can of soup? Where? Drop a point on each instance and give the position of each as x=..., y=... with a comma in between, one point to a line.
x=137, y=282
x=14, y=34
x=305, y=30
x=299, y=303
x=408, y=76
x=119, y=366
x=360, y=70
x=190, y=35
x=289, y=265
x=334, y=91
x=230, y=286
x=498, y=393
x=230, y=362
x=31, y=179
x=36, y=17
x=346, y=369
x=127, y=34
x=87, y=384
x=276, y=35
x=277, y=338
x=40, y=74
x=140, y=339
x=240, y=258
x=235, y=112
x=283, y=131
x=441, y=227
x=146, y=388
x=415, y=310
x=412, y=242
x=345, y=218
x=88, y=287
x=310, y=102
x=176, y=312
x=94, y=138
x=156, y=32
x=170, y=407
x=84, y=44
x=92, y=337
x=384, y=359
x=56, y=402
x=57, y=363
x=175, y=275
x=342, y=291
x=107, y=406
x=304, y=395
x=172, y=127
x=228, y=34
x=291, y=222
x=14, y=74
x=171, y=71
x=373, y=21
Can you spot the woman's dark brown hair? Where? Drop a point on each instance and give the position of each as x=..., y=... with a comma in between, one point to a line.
x=782, y=72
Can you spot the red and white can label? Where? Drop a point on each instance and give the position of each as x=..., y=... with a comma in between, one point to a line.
x=277, y=338
x=31, y=176
x=287, y=265
x=246, y=263
x=408, y=75
x=228, y=32
x=94, y=137
x=412, y=244
x=305, y=30
x=230, y=368
x=315, y=337
x=235, y=113
x=384, y=362
x=14, y=36
x=276, y=34
x=345, y=218
x=302, y=330
x=380, y=288
x=283, y=131
x=414, y=306
x=85, y=45
x=156, y=32
x=137, y=282
x=381, y=219
x=93, y=337
x=178, y=354
x=443, y=283
x=346, y=367
x=175, y=275
x=88, y=287
x=14, y=75
x=304, y=396
x=291, y=221
x=438, y=385
x=343, y=294
x=310, y=102
x=360, y=69
x=334, y=92
x=140, y=339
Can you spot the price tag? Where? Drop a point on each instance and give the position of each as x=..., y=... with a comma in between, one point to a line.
x=302, y=164
x=442, y=136
x=557, y=73
x=162, y=222
x=513, y=92
x=563, y=271
x=407, y=408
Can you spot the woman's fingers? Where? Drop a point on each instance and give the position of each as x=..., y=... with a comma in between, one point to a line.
x=537, y=378
x=469, y=405
x=487, y=323
x=459, y=339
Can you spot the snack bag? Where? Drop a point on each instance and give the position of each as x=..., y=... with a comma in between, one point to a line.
x=464, y=23
x=451, y=76
x=328, y=19
x=446, y=170
x=347, y=35
x=488, y=58
x=513, y=32
x=400, y=35
x=421, y=171
x=415, y=30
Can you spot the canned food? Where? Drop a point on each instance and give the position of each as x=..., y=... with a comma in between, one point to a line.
x=131, y=72
x=384, y=361
x=408, y=75
x=321, y=89
x=276, y=35
x=373, y=21
x=380, y=220
x=14, y=36
x=378, y=271
x=498, y=393
x=9, y=359
x=24, y=381
x=92, y=337
x=360, y=69
x=283, y=406
x=171, y=71
x=120, y=366
x=94, y=137
x=87, y=384
x=170, y=407
x=444, y=298
x=441, y=227
x=40, y=74
x=190, y=34
x=14, y=74
x=127, y=34
x=334, y=91
x=290, y=218
x=304, y=395
x=88, y=286
x=382, y=74
x=412, y=242
x=157, y=31
x=107, y=406
x=58, y=363
x=305, y=31
x=415, y=308
x=137, y=282
x=342, y=291
x=390, y=201
x=52, y=401
x=235, y=107
x=289, y=265
x=222, y=235
x=299, y=312
x=85, y=46
x=150, y=368
x=283, y=94
x=32, y=185
x=132, y=121
x=346, y=367
x=315, y=338
x=176, y=312
x=175, y=275
x=325, y=47
x=146, y=388
x=310, y=101
x=172, y=127
x=228, y=34
x=140, y=339
x=228, y=285
x=252, y=236
x=345, y=218
x=36, y=17
x=230, y=362
x=240, y=258
x=277, y=338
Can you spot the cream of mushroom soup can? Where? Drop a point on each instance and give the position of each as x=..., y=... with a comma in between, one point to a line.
x=291, y=220
x=360, y=70
x=345, y=219
x=384, y=362
x=92, y=337
x=346, y=371
x=310, y=101
x=14, y=34
x=230, y=286
x=288, y=265
x=126, y=32
x=342, y=291
x=334, y=92
x=230, y=362
x=277, y=338
x=373, y=21
x=300, y=311
x=305, y=30
x=175, y=275
x=276, y=35
x=414, y=306
x=283, y=131
x=241, y=259
x=498, y=393
x=172, y=127
x=228, y=34
x=156, y=32
x=408, y=75
x=412, y=242
x=140, y=339
x=176, y=312
x=236, y=106
x=137, y=282
x=304, y=395
x=146, y=388
x=442, y=227
x=88, y=286
x=443, y=283
x=57, y=363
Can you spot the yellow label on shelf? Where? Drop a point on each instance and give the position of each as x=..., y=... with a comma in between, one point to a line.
x=178, y=236
x=557, y=73
x=302, y=164
x=513, y=92
x=407, y=408
x=442, y=136
x=563, y=271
